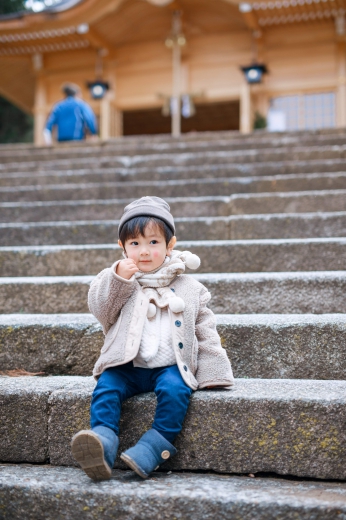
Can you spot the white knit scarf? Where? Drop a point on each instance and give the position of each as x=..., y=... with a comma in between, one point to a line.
x=155, y=283
x=155, y=286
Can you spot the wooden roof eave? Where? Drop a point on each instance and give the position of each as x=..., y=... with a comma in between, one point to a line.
x=85, y=11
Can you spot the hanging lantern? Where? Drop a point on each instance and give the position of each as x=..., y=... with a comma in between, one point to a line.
x=254, y=73
x=98, y=89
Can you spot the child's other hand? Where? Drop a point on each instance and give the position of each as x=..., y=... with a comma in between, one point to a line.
x=126, y=268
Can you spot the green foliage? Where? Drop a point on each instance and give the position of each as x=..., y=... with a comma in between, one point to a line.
x=15, y=125
x=259, y=122
x=11, y=6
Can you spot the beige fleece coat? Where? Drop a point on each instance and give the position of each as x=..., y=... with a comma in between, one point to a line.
x=121, y=307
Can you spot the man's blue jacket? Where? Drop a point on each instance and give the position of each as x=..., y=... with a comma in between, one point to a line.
x=72, y=116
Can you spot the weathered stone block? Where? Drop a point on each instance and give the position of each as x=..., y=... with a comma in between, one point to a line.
x=276, y=293
x=51, y=493
x=217, y=256
x=249, y=293
x=288, y=225
x=106, y=209
x=294, y=202
x=24, y=417
x=300, y=346
x=102, y=185
x=284, y=426
x=50, y=343
x=44, y=294
x=97, y=232
x=268, y=346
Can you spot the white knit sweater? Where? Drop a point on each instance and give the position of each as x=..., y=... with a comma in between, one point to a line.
x=156, y=329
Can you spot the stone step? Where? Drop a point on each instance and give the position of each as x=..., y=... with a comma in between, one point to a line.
x=290, y=427
x=96, y=183
x=106, y=209
x=208, y=154
x=54, y=493
x=321, y=292
x=190, y=143
x=290, y=202
x=268, y=346
x=83, y=190
x=289, y=225
x=105, y=231
x=240, y=204
x=238, y=227
x=162, y=172
x=205, y=155
x=216, y=255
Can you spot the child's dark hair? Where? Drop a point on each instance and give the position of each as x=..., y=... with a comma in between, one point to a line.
x=137, y=225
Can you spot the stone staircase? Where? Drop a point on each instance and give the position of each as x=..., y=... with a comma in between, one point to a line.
x=267, y=215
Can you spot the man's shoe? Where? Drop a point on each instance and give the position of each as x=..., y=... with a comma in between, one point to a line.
x=151, y=450
x=95, y=451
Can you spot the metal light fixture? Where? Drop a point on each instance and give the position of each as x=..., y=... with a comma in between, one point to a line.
x=254, y=73
x=98, y=88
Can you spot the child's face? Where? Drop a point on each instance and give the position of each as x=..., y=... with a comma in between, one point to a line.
x=148, y=252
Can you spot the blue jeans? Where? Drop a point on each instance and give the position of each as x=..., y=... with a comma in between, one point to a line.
x=119, y=383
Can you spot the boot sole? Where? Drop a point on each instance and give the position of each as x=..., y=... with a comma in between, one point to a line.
x=87, y=449
x=131, y=463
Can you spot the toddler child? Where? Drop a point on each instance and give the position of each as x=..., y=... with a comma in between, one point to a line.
x=160, y=336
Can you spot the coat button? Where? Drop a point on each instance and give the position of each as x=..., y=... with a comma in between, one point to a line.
x=178, y=323
x=165, y=454
x=180, y=345
x=185, y=368
x=173, y=290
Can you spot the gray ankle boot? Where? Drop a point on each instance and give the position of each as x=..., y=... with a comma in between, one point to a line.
x=95, y=451
x=151, y=450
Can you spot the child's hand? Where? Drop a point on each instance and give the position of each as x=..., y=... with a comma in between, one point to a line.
x=126, y=268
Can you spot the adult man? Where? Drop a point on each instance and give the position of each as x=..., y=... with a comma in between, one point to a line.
x=72, y=116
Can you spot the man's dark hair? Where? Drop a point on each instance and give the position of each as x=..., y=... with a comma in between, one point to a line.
x=70, y=89
x=137, y=225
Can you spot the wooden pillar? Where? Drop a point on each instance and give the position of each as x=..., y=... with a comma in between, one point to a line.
x=341, y=89
x=117, y=128
x=245, y=109
x=105, y=118
x=40, y=111
x=176, y=101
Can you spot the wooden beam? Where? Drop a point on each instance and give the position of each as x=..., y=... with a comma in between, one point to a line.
x=98, y=42
x=250, y=20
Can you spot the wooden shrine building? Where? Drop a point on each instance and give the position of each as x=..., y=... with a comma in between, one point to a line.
x=130, y=45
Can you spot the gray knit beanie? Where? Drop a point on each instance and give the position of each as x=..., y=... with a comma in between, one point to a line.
x=148, y=207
